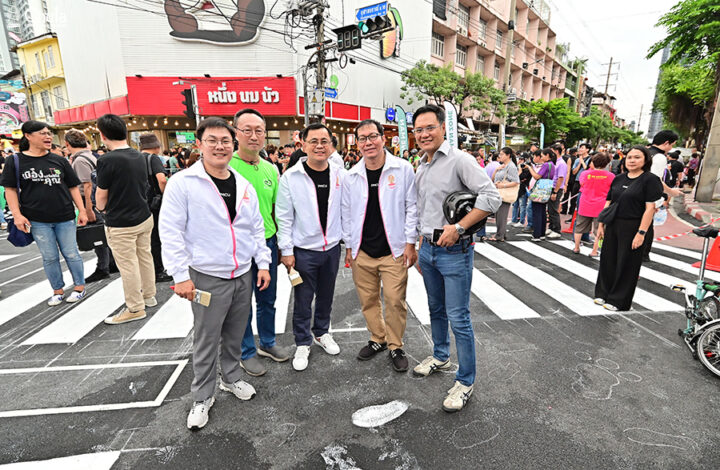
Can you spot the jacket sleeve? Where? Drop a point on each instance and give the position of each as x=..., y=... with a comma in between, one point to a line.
x=476, y=180
x=173, y=220
x=346, y=212
x=262, y=255
x=411, y=219
x=285, y=216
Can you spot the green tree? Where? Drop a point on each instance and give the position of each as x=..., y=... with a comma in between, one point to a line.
x=554, y=114
x=473, y=91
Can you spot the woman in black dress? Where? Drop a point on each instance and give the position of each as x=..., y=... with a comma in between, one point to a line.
x=635, y=193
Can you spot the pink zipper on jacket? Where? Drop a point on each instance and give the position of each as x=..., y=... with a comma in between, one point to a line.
x=382, y=216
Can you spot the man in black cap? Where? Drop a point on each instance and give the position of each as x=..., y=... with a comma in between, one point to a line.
x=150, y=147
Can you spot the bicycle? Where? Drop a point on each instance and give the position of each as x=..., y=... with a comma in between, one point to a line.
x=702, y=333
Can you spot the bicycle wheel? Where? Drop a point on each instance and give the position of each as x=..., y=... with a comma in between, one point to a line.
x=708, y=349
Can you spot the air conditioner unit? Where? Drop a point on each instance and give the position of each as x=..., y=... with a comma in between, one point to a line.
x=525, y=65
x=513, y=91
x=524, y=95
x=535, y=71
x=483, y=44
x=462, y=30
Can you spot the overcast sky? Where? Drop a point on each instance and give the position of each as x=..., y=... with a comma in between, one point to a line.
x=623, y=30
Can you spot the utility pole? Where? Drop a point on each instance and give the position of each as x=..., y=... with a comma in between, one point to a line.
x=607, y=81
x=640, y=117
x=506, y=72
x=196, y=108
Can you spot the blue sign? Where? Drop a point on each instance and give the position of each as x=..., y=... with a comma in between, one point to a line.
x=379, y=9
x=390, y=114
x=331, y=93
x=408, y=116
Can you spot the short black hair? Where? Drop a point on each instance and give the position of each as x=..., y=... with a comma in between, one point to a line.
x=247, y=111
x=214, y=123
x=334, y=141
x=112, y=127
x=430, y=108
x=587, y=145
x=370, y=122
x=556, y=146
x=646, y=154
x=313, y=127
x=664, y=136
x=288, y=146
x=75, y=139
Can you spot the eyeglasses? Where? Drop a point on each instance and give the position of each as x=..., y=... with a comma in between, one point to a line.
x=371, y=138
x=44, y=133
x=213, y=142
x=422, y=130
x=248, y=132
x=320, y=143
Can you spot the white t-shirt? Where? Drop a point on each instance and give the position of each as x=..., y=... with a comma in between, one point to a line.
x=659, y=165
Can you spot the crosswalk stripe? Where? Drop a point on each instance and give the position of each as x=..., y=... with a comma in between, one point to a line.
x=173, y=320
x=502, y=303
x=282, y=301
x=683, y=266
x=7, y=257
x=96, y=460
x=678, y=251
x=79, y=321
x=642, y=297
x=27, y=298
x=650, y=274
x=417, y=297
x=561, y=292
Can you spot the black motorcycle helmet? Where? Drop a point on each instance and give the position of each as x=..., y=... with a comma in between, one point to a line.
x=459, y=204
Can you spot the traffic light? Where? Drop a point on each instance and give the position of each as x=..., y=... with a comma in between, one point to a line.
x=376, y=26
x=348, y=38
x=189, y=105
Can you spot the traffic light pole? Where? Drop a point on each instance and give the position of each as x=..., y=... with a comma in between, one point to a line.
x=506, y=73
x=196, y=108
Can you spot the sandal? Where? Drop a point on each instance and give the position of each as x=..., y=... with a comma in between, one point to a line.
x=576, y=252
x=594, y=256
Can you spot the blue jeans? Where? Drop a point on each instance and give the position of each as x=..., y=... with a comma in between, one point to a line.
x=519, y=208
x=50, y=236
x=529, y=213
x=447, y=274
x=264, y=307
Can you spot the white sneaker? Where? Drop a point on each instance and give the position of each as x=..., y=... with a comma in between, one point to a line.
x=198, y=417
x=3, y=226
x=457, y=397
x=151, y=302
x=610, y=307
x=552, y=234
x=599, y=301
x=56, y=299
x=430, y=365
x=76, y=296
x=517, y=224
x=300, y=361
x=240, y=389
x=327, y=342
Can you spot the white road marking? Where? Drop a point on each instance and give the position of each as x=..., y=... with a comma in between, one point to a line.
x=94, y=461
x=416, y=297
x=503, y=304
x=679, y=251
x=7, y=257
x=173, y=320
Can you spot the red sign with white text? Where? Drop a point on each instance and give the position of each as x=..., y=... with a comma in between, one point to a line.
x=157, y=96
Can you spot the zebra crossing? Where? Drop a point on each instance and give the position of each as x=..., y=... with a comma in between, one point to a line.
x=516, y=280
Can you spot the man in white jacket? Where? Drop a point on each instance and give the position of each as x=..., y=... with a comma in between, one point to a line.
x=309, y=232
x=380, y=225
x=211, y=231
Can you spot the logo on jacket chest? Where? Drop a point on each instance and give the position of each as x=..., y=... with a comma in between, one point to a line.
x=391, y=182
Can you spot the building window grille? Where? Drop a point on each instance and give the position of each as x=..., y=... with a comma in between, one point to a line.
x=461, y=55
x=438, y=44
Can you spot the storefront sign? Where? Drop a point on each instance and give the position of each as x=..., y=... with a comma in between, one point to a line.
x=451, y=127
x=402, y=129
x=13, y=113
x=185, y=137
x=390, y=114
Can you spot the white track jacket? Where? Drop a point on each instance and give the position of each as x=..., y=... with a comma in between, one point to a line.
x=398, y=200
x=297, y=215
x=196, y=231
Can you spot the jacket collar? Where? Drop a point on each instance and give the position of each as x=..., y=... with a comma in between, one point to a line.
x=197, y=169
x=391, y=161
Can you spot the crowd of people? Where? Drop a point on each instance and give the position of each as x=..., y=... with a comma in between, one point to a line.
x=218, y=220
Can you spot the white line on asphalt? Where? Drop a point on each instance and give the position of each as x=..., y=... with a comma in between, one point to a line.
x=646, y=299
x=97, y=460
x=416, y=297
x=27, y=298
x=81, y=320
x=678, y=251
x=346, y=330
x=683, y=266
x=502, y=303
x=7, y=257
x=180, y=365
x=566, y=295
x=173, y=320
x=19, y=264
x=282, y=301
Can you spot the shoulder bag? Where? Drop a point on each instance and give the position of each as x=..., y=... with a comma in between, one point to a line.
x=156, y=200
x=17, y=237
x=608, y=214
x=542, y=190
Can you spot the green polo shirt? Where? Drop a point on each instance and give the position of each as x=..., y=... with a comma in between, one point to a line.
x=264, y=178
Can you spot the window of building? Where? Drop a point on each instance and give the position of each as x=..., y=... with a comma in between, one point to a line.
x=51, y=57
x=463, y=18
x=498, y=40
x=47, y=107
x=496, y=72
x=483, y=28
x=461, y=55
x=45, y=58
x=439, y=9
x=438, y=44
x=527, y=27
x=480, y=65
x=34, y=104
x=37, y=61
x=59, y=97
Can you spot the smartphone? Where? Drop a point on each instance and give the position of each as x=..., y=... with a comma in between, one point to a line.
x=436, y=234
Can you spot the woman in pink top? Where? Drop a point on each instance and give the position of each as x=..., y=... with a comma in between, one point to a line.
x=594, y=187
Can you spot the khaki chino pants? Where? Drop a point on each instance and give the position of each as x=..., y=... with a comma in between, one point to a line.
x=368, y=273
x=131, y=248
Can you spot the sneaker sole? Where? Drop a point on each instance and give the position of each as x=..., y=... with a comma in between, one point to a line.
x=124, y=321
x=197, y=427
x=74, y=301
x=252, y=374
x=396, y=369
x=224, y=388
x=262, y=353
x=323, y=348
x=444, y=367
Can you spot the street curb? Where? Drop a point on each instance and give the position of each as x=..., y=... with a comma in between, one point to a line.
x=695, y=210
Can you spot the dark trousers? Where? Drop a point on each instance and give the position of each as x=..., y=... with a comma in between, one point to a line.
x=155, y=245
x=102, y=252
x=318, y=270
x=619, y=264
x=264, y=306
x=539, y=219
x=648, y=241
x=553, y=214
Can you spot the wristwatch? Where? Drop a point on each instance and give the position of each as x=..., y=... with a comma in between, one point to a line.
x=460, y=229
x=642, y=232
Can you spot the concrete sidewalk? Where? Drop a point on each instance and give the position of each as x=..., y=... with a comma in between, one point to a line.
x=704, y=212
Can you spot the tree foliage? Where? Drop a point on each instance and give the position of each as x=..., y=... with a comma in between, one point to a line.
x=473, y=91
